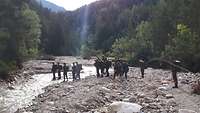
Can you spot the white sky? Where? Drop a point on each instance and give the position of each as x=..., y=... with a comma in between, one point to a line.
x=71, y=4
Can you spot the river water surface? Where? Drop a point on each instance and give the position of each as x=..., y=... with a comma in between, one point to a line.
x=22, y=95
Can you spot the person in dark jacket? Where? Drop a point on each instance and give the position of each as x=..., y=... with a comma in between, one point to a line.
x=142, y=67
x=108, y=64
x=125, y=69
x=59, y=68
x=65, y=70
x=74, y=71
x=97, y=66
x=53, y=70
x=78, y=70
x=117, y=68
x=174, y=74
x=102, y=67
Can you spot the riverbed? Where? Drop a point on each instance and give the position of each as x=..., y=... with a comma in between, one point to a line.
x=22, y=95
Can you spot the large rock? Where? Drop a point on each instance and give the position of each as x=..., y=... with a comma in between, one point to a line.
x=186, y=111
x=124, y=107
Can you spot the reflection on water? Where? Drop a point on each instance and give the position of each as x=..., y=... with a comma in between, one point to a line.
x=22, y=95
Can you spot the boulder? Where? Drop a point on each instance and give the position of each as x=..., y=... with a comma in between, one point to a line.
x=124, y=107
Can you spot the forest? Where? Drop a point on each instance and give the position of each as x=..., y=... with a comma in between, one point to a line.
x=129, y=29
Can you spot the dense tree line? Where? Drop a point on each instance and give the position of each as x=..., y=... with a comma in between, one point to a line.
x=146, y=29
x=19, y=34
x=129, y=29
x=28, y=30
x=59, y=35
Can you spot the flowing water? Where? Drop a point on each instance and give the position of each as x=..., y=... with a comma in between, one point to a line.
x=22, y=95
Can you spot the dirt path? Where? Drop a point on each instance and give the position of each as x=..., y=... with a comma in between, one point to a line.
x=154, y=94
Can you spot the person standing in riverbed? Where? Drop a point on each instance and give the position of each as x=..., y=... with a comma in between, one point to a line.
x=142, y=67
x=53, y=70
x=107, y=64
x=78, y=70
x=59, y=67
x=97, y=66
x=174, y=74
x=65, y=70
x=74, y=71
x=125, y=68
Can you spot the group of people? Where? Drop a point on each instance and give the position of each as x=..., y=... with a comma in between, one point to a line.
x=120, y=67
x=57, y=68
x=76, y=70
x=102, y=65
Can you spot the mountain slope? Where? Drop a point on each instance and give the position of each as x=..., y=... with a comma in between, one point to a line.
x=51, y=6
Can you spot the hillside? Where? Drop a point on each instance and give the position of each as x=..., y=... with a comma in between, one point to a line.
x=51, y=6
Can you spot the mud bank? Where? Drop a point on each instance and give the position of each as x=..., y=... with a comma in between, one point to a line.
x=154, y=93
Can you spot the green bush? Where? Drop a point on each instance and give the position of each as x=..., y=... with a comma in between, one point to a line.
x=6, y=67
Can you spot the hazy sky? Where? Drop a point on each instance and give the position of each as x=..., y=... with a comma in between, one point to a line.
x=71, y=4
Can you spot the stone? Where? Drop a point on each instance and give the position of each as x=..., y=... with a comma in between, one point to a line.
x=105, y=89
x=165, y=82
x=171, y=102
x=154, y=106
x=120, y=93
x=125, y=100
x=163, y=88
x=70, y=86
x=57, y=86
x=184, y=81
x=148, y=100
x=158, y=93
x=50, y=103
x=186, y=111
x=11, y=88
x=140, y=95
x=124, y=107
x=168, y=96
x=132, y=99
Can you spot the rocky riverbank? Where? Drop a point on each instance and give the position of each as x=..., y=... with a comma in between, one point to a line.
x=41, y=66
x=27, y=83
x=92, y=95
